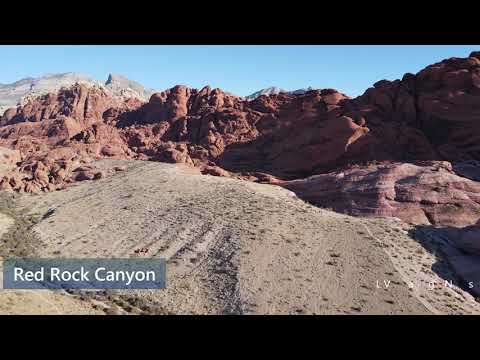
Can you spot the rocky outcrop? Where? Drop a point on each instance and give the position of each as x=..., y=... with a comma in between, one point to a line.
x=199, y=123
x=84, y=104
x=56, y=132
x=439, y=106
x=421, y=193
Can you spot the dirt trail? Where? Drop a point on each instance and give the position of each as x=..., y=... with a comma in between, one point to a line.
x=236, y=247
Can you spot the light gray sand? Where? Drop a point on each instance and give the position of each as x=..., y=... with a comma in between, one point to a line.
x=37, y=302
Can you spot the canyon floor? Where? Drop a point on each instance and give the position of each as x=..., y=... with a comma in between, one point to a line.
x=232, y=247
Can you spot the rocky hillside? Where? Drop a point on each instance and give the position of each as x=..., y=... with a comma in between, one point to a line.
x=234, y=247
x=428, y=120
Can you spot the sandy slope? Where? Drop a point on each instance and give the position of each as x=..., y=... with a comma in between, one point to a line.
x=5, y=223
x=239, y=247
x=37, y=302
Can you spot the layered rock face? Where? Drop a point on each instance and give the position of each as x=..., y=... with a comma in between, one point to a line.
x=420, y=193
x=410, y=128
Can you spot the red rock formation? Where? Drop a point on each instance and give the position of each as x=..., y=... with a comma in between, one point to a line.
x=58, y=131
x=441, y=104
x=422, y=193
x=82, y=103
x=429, y=116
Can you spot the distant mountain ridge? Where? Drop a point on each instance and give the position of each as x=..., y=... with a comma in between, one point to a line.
x=273, y=90
x=19, y=92
x=13, y=94
x=123, y=86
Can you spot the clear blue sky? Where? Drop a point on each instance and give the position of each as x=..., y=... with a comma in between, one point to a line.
x=238, y=69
